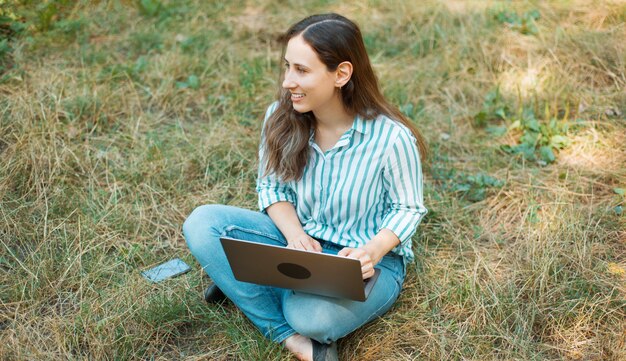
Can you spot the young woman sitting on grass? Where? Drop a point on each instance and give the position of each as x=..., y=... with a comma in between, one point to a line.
x=339, y=171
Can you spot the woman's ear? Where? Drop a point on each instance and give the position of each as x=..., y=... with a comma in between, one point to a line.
x=343, y=74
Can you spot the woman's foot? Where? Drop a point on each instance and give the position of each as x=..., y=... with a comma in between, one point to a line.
x=213, y=294
x=306, y=349
x=300, y=346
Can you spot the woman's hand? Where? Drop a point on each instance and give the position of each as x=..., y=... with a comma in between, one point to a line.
x=362, y=254
x=373, y=251
x=304, y=242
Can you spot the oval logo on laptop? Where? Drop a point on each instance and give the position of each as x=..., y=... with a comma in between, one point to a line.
x=294, y=271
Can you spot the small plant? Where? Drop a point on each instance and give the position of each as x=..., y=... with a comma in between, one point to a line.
x=195, y=44
x=70, y=27
x=43, y=15
x=474, y=187
x=494, y=107
x=538, y=139
x=525, y=24
x=413, y=111
x=10, y=27
x=150, y=7
x=470, y=187
x=192, y=82
x=145, y=42
x=10, y=23
x=123, y=71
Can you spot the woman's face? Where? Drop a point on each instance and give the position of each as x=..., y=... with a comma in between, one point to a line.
x=311, y=85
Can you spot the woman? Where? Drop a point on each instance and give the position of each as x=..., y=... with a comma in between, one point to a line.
x=340, y=172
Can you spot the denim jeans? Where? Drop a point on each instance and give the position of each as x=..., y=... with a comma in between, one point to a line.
x=279, y=313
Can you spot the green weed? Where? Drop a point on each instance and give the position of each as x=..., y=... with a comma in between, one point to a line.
x=525, y=23
x=192, y=82
x=11, y=26
x=494, y=108
x=150, y=7
x=539, y=139
x=471, y=187
x=142, y=43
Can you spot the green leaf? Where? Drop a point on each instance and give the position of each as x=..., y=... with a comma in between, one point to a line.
x=529, y=138
x=4, y=47
x=407, y=110
x=480, y=118
x=533, y=125
x=193, y=81
x=559, y=141
x=515, y=125
x=507, y=148
x=46, y=12
x=619, y=191
x=528, y=150
x=477, y=194
x=528, y=113
x=496, y=131
x=619, y=210
x=18, y=27
x=501, y=112
x=150, y=7
x=533, y=14
x=508, y=17
x=5, y=20
x=140, y=64
x=491, y=98
x=69, y=26
x=546, y=154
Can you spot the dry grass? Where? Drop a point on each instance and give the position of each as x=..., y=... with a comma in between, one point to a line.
x=103, y=153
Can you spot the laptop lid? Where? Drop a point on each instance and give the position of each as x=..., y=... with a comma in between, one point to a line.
x=311, y=272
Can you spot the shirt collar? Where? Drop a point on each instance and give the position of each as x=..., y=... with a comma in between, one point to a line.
x=359, y=124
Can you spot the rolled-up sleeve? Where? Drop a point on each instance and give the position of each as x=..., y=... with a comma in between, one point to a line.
x=269, y=187
x=403, y=182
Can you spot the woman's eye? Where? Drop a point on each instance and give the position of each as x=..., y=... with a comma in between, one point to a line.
x=297, y=68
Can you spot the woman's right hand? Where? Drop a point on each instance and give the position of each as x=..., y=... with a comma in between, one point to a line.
x=304, y=242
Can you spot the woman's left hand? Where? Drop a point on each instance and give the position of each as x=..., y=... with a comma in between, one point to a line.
x=366, y=259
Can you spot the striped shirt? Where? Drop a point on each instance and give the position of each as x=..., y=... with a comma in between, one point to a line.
x=371, y=179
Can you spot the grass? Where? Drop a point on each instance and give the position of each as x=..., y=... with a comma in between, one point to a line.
x=118, y=118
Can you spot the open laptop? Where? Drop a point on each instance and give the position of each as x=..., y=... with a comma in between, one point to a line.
x=311, y=272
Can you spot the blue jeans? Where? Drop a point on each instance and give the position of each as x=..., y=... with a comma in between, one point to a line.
x=279, y=313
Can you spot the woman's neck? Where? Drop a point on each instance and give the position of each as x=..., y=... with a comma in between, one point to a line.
x=333, y=118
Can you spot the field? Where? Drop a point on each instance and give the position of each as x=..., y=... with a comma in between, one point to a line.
x=118, y=118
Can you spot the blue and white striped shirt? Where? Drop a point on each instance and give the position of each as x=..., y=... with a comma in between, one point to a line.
x=371, y=179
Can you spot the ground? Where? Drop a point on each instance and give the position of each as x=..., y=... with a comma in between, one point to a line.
x=117, y=118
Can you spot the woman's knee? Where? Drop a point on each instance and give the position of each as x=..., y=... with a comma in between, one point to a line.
x=201, y=223
x=322, y=321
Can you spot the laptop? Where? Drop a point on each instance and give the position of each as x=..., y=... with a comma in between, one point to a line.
x=311, y=272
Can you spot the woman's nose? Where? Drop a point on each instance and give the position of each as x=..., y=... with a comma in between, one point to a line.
x=288, y=83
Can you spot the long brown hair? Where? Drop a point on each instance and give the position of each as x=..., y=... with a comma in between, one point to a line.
x=335, y=39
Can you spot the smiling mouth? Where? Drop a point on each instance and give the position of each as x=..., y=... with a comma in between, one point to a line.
x=296, y=96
